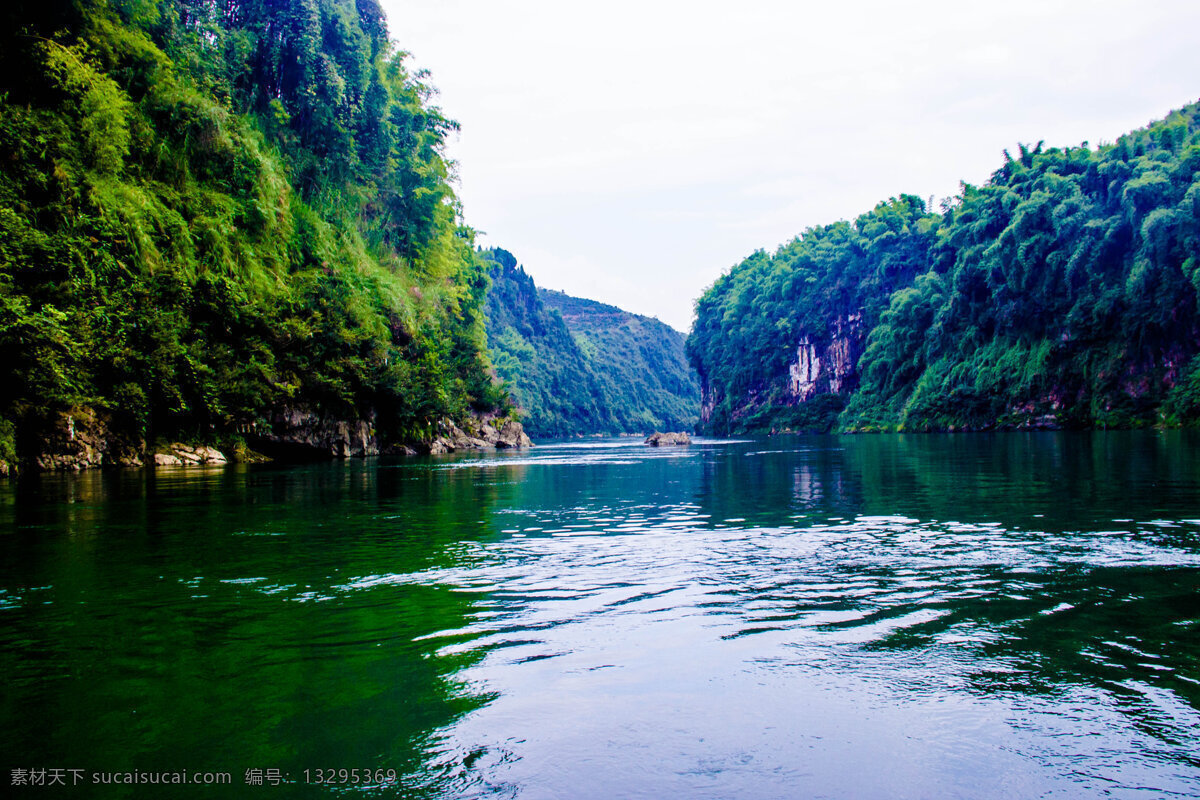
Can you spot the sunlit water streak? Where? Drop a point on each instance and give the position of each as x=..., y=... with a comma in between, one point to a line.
x=810, y=617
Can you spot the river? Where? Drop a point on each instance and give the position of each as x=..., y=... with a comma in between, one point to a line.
x=908, y=616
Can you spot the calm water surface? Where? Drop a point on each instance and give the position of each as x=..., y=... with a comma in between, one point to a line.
x=986, y=616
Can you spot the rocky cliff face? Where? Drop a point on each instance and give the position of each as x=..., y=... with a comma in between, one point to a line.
x=823, y=366
x=708, y=402
x=829, y=366
x=83, y=437
x=302, y=433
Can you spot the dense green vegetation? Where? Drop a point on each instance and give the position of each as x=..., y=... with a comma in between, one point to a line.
x=577, y=366
x=535, y=355
x=1063, y=292
x=208, y=210
x=639, y=362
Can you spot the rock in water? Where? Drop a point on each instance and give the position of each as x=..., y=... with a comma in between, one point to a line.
x=481, y=434
x=656, y=439
x=512, y=434
x=182, y=455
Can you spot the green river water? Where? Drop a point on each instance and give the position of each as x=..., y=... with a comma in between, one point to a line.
x=911, y=616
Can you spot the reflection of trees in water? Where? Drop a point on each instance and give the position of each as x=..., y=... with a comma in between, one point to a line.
x=203, y=620
x=1071, y=480
x=294, y=617
x=1038, y=602
x=768, y=481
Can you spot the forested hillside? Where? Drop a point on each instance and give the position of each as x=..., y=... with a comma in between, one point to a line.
x=1061, y=293
x=576, y=366
x=212, y=212
x=639, y=361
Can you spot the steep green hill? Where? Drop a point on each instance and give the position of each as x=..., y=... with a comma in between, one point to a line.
x=577, y=366
x=210, y=212
x=534, y=353
x=639, y=361
x=1062, y=293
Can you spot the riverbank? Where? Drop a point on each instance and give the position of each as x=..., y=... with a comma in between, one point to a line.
x=84, y=438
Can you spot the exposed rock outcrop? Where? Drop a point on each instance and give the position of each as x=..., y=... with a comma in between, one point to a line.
x=481, y=433
x=657, y=439
x=81, y=438
x=823, y=365
x=300, y=432
x=182, y=455
x=708, y=401
x=828, y=367
x=512, y=434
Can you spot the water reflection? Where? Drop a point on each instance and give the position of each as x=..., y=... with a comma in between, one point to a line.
x=934, y=616
x=185, y=620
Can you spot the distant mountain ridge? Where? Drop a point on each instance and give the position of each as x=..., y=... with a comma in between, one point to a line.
x=577, y=366
x=640, y=358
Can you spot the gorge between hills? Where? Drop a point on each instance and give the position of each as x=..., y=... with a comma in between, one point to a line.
x=307, y=493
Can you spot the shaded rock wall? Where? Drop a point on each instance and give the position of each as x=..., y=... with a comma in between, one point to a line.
x=82, y=437
x=299, y=432
x=302, y=433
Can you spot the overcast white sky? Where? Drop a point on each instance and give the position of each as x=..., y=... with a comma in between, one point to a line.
x=631, y=151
